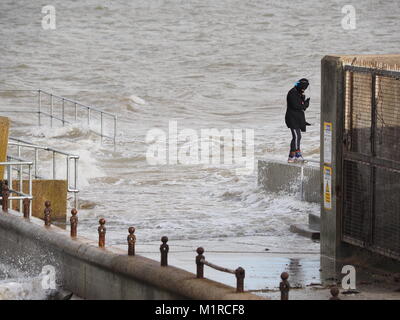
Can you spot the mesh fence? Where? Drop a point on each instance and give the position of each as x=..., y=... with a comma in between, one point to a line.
x=371, y=164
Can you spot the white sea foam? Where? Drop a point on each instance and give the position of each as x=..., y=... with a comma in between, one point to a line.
x=137, y=99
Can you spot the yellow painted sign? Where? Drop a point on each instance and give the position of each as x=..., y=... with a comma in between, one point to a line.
x=327, y=188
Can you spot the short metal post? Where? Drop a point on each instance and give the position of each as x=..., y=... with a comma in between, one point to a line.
x=131, y=241
x=88, y=117
x=10, y=183
x=67, y=172
x=74, y=223
x=27, y=204
x=334, y=293
x=47, y=213
x=240, y=274
x=75, y=181
x=5, y=193
x=76, y=112
x=51, y=110
x=40, y=106
x=199, y=263
x=62, y=110
x=20, y=187
x=30, y=186
x=102, y=233
x=284, y=286
x=54, y=165
x=164, y=249
x=36, y=162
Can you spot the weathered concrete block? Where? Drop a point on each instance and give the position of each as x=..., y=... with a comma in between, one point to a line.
x=42, y=190
x=299, y=179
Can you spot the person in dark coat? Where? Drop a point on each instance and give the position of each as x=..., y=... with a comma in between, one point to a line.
x=295, y=118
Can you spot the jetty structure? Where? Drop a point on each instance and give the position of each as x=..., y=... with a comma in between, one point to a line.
x=356, y=180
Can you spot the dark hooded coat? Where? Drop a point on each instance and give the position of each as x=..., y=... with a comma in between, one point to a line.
x=296, y=104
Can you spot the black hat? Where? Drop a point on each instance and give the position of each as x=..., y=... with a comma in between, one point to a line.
x=302, y=83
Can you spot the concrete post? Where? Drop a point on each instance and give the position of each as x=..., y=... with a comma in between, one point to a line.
x=332, y=108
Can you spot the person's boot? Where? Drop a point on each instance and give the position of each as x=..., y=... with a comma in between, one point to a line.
x=299, y=157
x=292, y=157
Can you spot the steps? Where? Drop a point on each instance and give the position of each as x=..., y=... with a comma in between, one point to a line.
x=310, y=230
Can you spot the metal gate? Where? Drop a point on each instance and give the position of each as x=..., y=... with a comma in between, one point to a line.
x=371, y=160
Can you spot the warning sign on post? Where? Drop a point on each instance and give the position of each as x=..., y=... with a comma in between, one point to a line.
x=328, y=142
x=327, y=188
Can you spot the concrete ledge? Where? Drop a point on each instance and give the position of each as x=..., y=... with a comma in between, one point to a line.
x=301, y=179
x=305, y=230
x=94, y=273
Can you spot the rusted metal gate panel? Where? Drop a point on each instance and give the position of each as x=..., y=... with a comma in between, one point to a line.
x=371, y=160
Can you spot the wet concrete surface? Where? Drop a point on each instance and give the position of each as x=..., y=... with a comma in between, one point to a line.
x=263, y=269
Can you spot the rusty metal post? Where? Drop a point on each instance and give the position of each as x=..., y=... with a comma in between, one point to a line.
x=240, y=274
x=74, y=223
x=199, y=263
x=47, y=213
x=131, y=241
x=334, y=293
x=5, y=193
x=164, y=248
x=284, y=286
x=26, y=203
x=102, y=233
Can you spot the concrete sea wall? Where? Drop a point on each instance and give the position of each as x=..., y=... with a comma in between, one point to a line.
x=95, y=273
x=302, y=179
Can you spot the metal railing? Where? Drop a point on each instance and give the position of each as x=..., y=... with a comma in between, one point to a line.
x=68, y=111
x=19, y=194
x=201, y=261
x=72, y=183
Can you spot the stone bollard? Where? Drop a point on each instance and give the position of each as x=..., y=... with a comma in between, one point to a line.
x=102, y=233
x=131, y=241
x=284, y=286
x=26, y=204
x=74, y=223
x=200, y=265
x=47, y=213
x=164, y=248
x=240, y=273
x=5, y=193
x=334, y=293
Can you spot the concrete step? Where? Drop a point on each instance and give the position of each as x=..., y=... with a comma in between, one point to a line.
x=309, y=231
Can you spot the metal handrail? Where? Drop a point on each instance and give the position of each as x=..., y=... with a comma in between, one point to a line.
x=76, y=104
x=20, y=194
x=72, y=186
x=90, y=109
x=201, y=261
